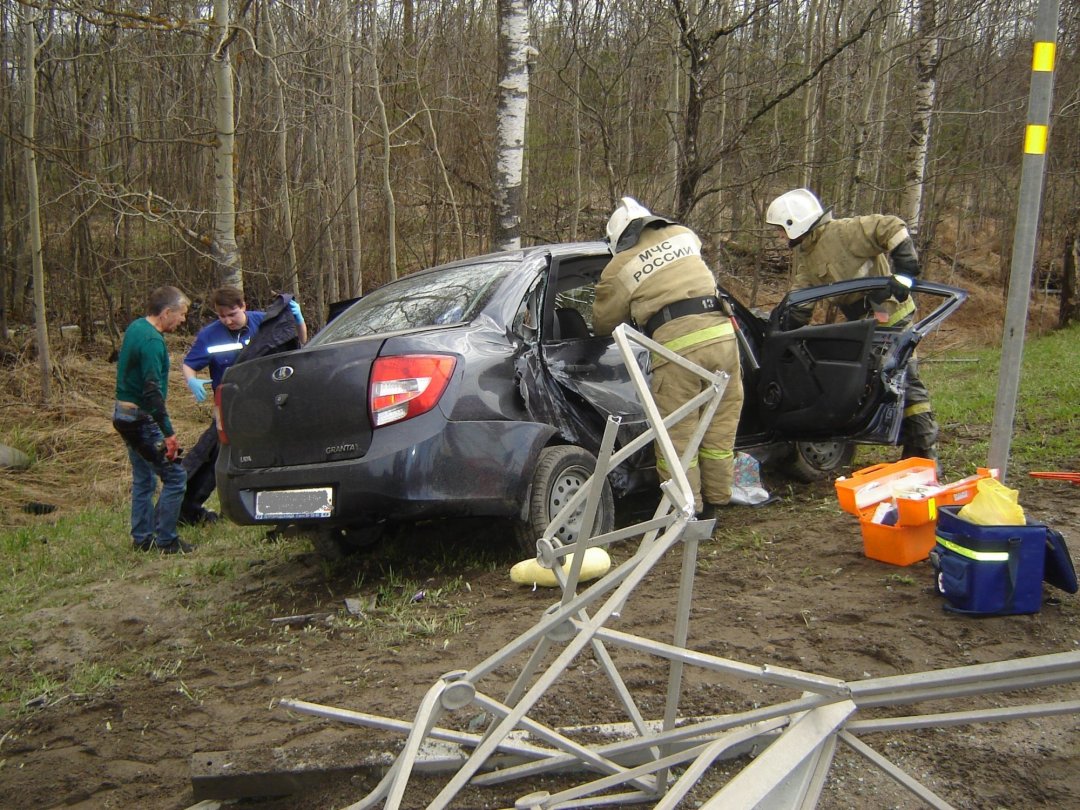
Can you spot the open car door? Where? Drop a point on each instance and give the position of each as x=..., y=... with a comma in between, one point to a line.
x=841, y=380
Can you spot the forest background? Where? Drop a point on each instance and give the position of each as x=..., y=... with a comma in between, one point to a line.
x=324, y=148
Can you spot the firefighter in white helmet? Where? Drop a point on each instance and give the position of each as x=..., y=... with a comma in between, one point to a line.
x=826, y=250
x=657, y=280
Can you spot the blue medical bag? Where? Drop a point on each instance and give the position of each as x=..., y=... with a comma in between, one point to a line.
x=997, y=570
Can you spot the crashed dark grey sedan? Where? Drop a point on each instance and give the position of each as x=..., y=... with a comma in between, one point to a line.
x=477, y=389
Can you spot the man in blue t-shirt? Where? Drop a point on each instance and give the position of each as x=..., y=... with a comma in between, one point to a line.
x=216, y=347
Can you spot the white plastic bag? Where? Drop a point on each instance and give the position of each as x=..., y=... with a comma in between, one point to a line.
x=746, y=488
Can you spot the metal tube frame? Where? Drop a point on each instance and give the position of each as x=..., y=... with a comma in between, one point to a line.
x=798, y=736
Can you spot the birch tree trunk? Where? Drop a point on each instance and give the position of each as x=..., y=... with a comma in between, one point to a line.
x=814, y=14
x=322, y=142
x=32, y=202
x=510, y=128
x=925, y=93
x=285, y=195
x=3, y=191
x=85, y=266
x=230, y=270
x=388, y=188
x=677, y=77
x=729, y=66
x=3, y=240
x=872, y=196
x=118, y=154
x=857, y=181
x=323, y=256
x=698, y=51
x=348, y=159
x=575, y=208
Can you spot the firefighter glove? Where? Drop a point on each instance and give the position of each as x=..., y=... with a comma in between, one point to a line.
x=904, y=259
x=172, y=448
x=900, y=287
x=198, y=388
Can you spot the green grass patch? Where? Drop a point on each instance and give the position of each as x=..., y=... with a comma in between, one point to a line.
x=19, y=438
x=1046, y=431
x=900, y=579
x=45, y=565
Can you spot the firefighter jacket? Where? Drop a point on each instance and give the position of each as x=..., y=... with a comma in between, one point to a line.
x=663, y=267
x=857, y=247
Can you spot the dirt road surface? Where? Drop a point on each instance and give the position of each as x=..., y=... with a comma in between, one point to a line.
x=786, y=585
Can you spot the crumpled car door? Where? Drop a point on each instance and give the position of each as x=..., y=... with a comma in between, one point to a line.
x=574, y=385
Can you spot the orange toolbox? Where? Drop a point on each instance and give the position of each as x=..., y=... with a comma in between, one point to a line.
x=906, y=495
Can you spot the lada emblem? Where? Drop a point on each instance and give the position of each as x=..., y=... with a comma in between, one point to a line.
x=283, y=373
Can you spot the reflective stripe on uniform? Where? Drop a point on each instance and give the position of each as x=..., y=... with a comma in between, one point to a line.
x=903, y=311
x=972, y=554
x=715, y=455
x=224, y=347
x=662, y=465
x=916, y=409
x=724, y=329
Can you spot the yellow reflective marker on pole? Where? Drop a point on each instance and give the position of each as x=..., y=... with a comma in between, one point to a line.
x=1043, y=59
x=1035, y=140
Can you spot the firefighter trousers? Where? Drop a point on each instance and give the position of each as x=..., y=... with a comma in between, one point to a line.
x=710, y=472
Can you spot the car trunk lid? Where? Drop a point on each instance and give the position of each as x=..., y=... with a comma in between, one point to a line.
x=308, y=406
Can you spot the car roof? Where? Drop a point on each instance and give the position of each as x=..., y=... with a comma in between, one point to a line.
x=556, y=250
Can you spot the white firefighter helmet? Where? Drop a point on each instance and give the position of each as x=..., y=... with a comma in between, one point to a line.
x=795, y=211
x=626, y=212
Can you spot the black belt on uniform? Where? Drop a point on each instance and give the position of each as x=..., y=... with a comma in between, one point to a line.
x=691, y=306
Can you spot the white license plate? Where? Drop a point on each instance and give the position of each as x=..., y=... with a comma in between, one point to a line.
x=292, y=504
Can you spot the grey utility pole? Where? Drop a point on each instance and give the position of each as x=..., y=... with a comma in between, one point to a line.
x=1027, y=226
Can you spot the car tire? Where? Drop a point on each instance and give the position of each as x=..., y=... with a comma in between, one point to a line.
x=560, y=472
x=816, y=461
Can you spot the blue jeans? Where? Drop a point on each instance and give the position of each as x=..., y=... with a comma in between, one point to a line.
x=146, y=450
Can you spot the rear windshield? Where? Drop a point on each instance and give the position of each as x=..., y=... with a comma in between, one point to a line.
x=441, y=298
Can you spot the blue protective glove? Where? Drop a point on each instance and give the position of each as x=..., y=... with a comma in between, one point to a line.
x=294, y=308
x=198, y=388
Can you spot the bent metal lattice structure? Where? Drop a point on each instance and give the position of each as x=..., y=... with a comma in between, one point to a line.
x=658, y=762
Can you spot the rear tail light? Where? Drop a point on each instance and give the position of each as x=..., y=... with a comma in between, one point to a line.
x=408, y=385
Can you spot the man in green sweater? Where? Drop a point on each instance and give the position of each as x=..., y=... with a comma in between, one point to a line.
x=140, y=417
